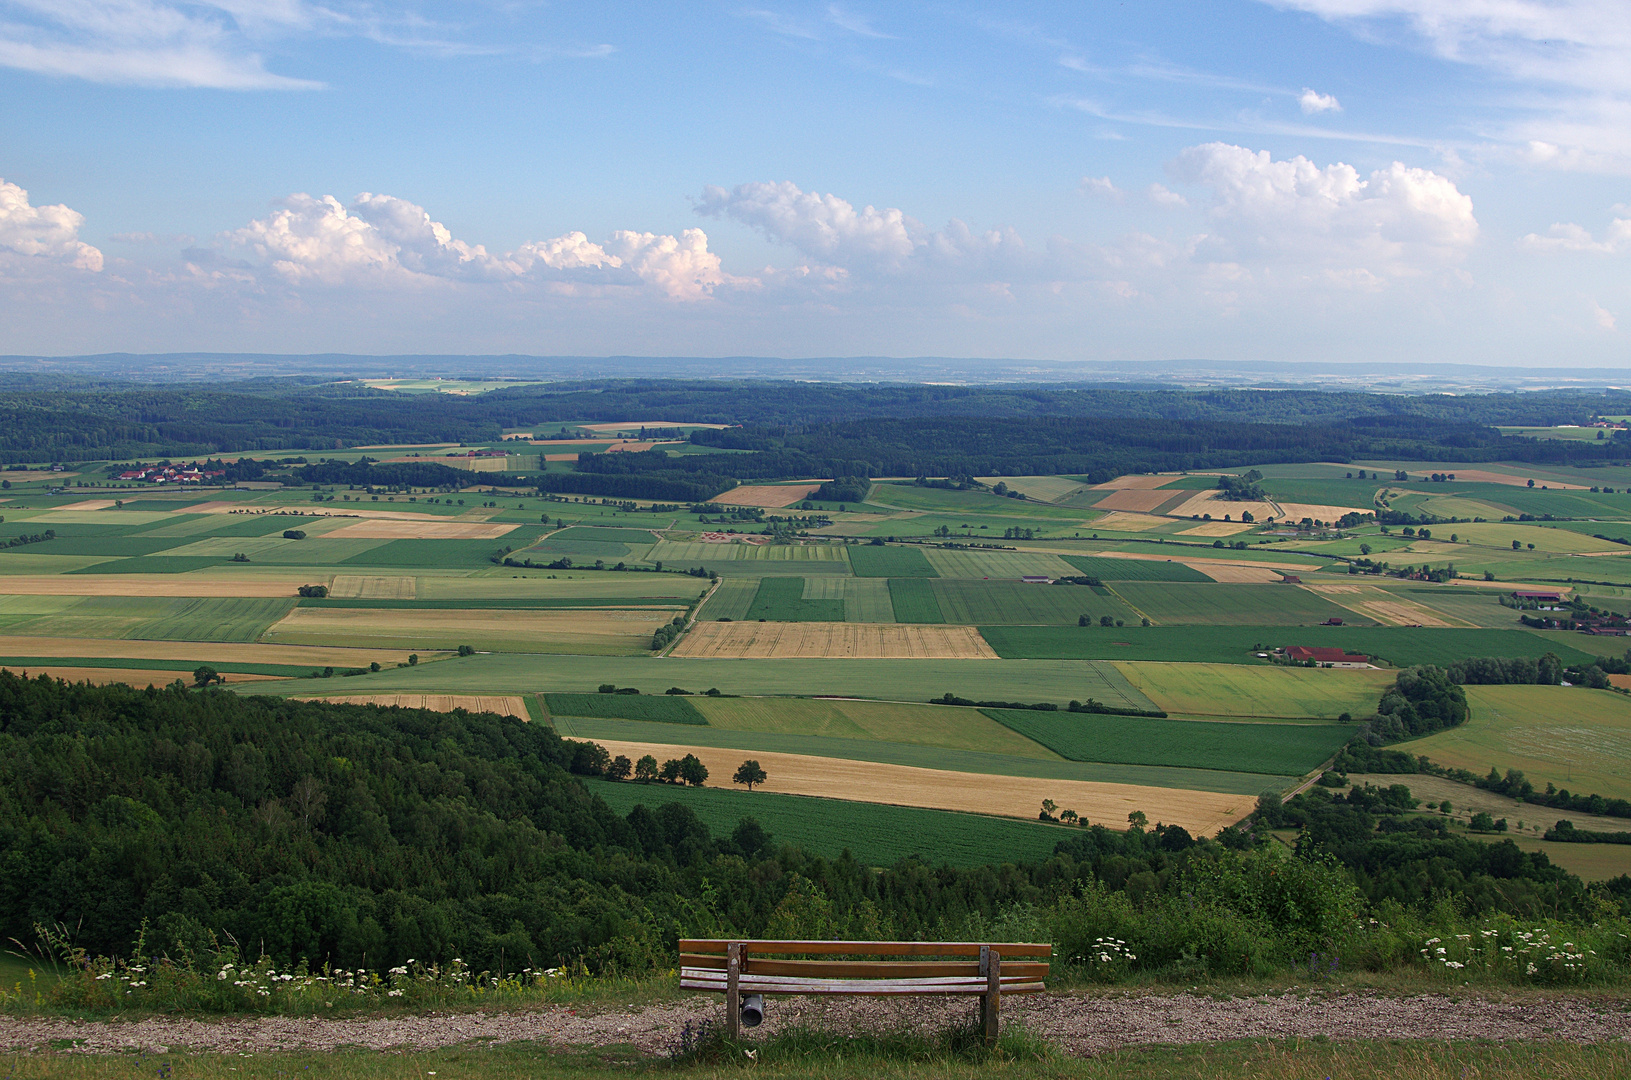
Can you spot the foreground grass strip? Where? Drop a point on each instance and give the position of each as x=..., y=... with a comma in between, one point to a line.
x=1285, y=749
x=844, y=1059
x=652, y=710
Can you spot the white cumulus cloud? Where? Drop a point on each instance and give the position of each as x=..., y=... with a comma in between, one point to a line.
x=382, y=241
x=1399, y=220
x=50, y=232
x=1312, y=101
x=1567, y=236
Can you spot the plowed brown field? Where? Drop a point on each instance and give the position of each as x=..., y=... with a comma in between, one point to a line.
x=770, y=496
x=1138, y=500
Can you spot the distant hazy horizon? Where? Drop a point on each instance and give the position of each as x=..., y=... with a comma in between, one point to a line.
x=1357, y=181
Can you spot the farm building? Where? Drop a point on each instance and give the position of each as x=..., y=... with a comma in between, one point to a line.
x=1037, y=579
x=1326, y=654
x=1538, y=596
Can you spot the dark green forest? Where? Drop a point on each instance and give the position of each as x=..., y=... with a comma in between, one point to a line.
x=73, y=422
x=361, y=835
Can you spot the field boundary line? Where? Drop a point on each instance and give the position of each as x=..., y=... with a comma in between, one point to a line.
x=691, y=617
x=1134, y=607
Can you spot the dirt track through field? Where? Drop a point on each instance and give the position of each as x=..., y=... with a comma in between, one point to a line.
x=1201, y=812
x=1081, y=1024
x=854, y=641
x=511, y=705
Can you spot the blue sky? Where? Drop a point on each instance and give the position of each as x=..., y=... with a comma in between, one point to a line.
x=1321, y=179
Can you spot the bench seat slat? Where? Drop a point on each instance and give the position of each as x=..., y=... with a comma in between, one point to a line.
x=862, y=969
x=1011, y=950
x=788, y=985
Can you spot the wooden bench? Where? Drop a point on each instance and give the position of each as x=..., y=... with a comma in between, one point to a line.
x=968, y=968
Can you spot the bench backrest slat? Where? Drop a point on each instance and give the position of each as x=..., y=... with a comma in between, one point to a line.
x=865, y=969
x=1010, y=950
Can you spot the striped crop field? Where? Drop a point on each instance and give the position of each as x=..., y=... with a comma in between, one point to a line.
x=998, y=564
x=652, y=709
x=868, y=560
x=781, y=599
x=1285, y=749
x=1134, y=569
x=1016, y=603
x=888, y=721
x=1218, y=604
x=679, y=553
x=912, y=600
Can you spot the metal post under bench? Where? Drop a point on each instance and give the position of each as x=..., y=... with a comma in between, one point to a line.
x=745, y=970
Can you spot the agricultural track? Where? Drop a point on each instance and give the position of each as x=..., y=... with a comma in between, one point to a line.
x=1079, y=1023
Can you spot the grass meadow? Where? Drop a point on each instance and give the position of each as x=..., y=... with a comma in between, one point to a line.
x=1220, y=690
x=912, y=600
x=1282, y=749
x=1397, y=645
x=1133, y=569
x=1219, y=604
x=876, y=834
x=925, y=725
x=1569, y=736
x=952, y=563
x=889, y=562
x=668, y=709
x=1012, y=602
x=781, y=599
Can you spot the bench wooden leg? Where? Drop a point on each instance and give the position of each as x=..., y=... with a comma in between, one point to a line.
x=991, y=1000
x=733, y=992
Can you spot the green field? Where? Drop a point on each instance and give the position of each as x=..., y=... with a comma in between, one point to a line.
x=868, y=560
x=1134, y=569
x=1214, y=690
x=951, y=563
x=438, y=553
x=889, y=721
x=587, y=549
x=1282, y=749
x=1398, y=645
x=1219, y=604
x=667, y=709
x=875, y=834
x=864, y=599
x=138, y=617
x=781, y=599
x=731, y=600
x=912, y=600
x=1575, y=738
x=1012, y=602
x=675, y=553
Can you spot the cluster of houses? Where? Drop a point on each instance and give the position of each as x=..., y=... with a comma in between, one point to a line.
x=173, y=474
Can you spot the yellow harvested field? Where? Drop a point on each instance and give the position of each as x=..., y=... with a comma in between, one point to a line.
x=196, y=652
x=28, y=476
x=1139, y=500
x=1201, y=812
x=560, y=457
x=422, y=530
x=852, y=641
x=1236, y=573
x=1484, y=476
x=1387, y=608
x=356, y=587
x=146, y=585
x=1215, y=528
x=634, y=447
x=88, y=504
x=770, y=496
x=1134, y=483
x=137, y=677
x=510, y=705
x=1125, y=522
x=1208, y=502
x=1317, y=511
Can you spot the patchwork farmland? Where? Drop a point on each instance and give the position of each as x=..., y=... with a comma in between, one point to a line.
x=772, y=623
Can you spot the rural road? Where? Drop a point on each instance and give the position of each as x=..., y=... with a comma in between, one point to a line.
x=1079, y=1023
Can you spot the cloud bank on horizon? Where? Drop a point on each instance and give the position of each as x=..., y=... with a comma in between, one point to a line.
x=1438, y=180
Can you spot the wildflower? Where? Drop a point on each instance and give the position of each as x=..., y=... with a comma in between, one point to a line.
x=221, y=975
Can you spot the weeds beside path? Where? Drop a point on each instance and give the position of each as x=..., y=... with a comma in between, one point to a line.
x=1078, y=1023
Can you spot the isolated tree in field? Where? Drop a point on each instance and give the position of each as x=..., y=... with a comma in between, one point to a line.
x=749, y=773
x=1105, y=620
x=1048, y=807
x=645, y=770
x=1085, y=620
x=693, y=771
x=620, y=768
x=1517, y=545
x=1068, y=817
x=670, y=772
x=1137, y=819
x=205, y=675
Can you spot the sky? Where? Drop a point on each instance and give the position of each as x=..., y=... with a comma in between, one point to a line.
x=1331, y=180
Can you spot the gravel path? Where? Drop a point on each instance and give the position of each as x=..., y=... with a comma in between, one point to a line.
x=1079, y=1023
